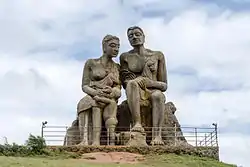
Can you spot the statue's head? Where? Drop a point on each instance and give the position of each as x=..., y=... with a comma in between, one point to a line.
x=136, y=36
x=111, y=45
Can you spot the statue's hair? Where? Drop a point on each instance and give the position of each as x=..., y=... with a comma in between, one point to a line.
x=108, y=38
x=135, y=27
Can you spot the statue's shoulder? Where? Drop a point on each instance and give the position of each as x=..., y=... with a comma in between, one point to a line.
x=159, y=54
x=155, y=52
x=92, y=61
x=124, y=55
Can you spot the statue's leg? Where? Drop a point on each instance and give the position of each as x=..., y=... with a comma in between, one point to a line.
x=133, y=98
x=97, y=125
x=109, y=116
x=158, y=107
x=83, y=125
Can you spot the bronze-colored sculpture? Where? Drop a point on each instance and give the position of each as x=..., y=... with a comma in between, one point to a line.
x=101, y=83
x=144, y=77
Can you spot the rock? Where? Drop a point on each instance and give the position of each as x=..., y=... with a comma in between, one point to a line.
x=72, y=136
x=170, y=122
x=137, y=139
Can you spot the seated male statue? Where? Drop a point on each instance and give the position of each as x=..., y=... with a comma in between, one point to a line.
x=144, y=77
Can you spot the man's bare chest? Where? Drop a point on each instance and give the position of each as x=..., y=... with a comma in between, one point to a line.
x=136, y=63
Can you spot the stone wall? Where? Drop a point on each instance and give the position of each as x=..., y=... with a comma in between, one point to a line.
x=209, y=152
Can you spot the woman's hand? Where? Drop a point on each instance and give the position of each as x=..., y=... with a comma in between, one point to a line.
x=99, y=92
x=107, y=89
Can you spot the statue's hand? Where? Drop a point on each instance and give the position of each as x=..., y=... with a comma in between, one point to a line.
x=141, y=83
x=107, y=90
x=116, y=93
x=99, y=93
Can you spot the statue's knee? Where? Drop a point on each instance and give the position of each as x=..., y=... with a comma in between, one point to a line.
x=132, y=84
x=111, y=122
x=113, y=103
x=158, y=96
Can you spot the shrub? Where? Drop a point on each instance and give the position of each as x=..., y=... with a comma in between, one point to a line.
x=36, y=144
x=33, y=146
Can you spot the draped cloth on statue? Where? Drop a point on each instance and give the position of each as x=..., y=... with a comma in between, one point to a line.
x=109, y=80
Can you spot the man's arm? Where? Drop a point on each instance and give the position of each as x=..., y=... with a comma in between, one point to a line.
x=125, y=74
x=162, y=70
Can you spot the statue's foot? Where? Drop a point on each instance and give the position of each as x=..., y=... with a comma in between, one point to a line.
x=95, y=144
x=112, y=144
x=137, y=128
x=157, y=141
x=83, y=143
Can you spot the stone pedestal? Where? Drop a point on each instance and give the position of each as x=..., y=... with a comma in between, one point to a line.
x=137, y=139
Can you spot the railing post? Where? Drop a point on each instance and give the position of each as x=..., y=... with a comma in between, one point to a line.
x=66, y=136
x=211, y=139
x=108, y=136
x=130, y=127
x=195, y=130
x=43, y=126
x=42, y=132
x=175, y=135
x=205, y=140
x=216, y=133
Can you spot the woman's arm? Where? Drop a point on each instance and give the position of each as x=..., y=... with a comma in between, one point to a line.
x=86, y=80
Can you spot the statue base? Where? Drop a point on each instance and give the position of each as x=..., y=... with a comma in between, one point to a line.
x=132, y=139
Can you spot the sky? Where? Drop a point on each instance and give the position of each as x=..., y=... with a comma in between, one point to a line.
x=44, y=45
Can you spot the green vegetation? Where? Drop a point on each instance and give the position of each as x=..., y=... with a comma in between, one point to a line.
x=35, y=153
x=34, y=147
x=168, y=160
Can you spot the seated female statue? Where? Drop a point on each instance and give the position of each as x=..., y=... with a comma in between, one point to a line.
x=101, y=83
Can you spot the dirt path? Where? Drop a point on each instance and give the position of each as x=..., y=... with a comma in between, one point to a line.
x=113, y=157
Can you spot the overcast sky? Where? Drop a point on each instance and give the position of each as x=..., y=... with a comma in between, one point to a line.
x=44, y=45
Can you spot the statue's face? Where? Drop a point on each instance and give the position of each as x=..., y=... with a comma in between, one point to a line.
x=136, y=37
x=112, y=48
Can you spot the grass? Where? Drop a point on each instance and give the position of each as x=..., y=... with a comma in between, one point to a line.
x=168, y=160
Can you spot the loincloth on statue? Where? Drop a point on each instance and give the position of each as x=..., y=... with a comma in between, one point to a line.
x=87, y=102
x=145, y=93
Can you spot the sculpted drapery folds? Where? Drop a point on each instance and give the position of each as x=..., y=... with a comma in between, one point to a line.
x=144, y=77
x=101, y=83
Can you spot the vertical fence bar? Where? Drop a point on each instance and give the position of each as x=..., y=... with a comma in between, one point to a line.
x=175, y=136
x=66, y=137
x=130, y=127
x=195, y=131
x=205, y=139
x=216, y=133
x=108, y=136
x=211, y=139
x=42, y=131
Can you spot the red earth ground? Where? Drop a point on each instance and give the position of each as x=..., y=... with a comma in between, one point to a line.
x=113, y=157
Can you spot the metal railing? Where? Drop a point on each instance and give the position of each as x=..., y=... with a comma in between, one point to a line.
x=195, y=136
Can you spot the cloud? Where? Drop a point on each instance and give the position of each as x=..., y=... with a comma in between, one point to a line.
x=44, y=45
x=240, y=154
